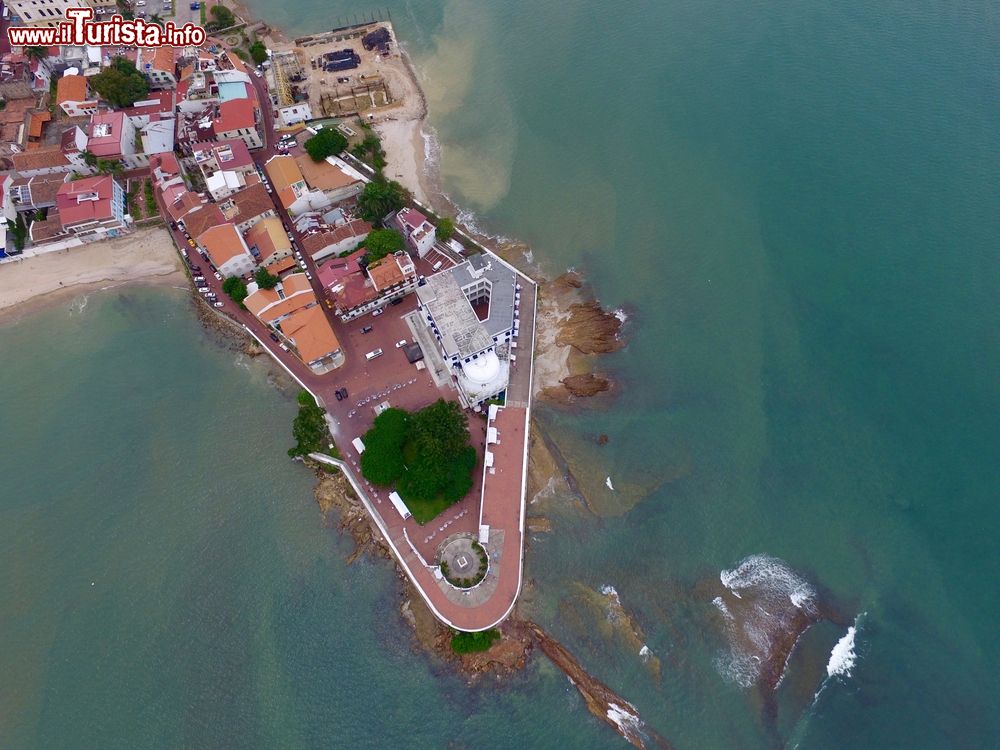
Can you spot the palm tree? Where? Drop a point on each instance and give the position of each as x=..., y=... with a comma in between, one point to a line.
x=36, y=53
x=155, y=18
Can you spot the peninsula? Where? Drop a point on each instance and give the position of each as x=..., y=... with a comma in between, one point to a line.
x=271, y=180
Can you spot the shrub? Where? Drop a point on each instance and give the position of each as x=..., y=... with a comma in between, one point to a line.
x=380, y=197
x=470, y=643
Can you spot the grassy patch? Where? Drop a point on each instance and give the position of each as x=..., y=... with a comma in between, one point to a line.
x=471, y=643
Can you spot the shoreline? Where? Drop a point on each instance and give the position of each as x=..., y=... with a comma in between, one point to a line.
x=144, y=257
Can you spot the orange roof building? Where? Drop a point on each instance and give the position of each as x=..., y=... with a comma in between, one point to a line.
x=71, y=96
x=268, y=241
x=227, y=250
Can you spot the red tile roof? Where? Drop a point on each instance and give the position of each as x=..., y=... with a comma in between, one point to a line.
x=86, y=200
x=234, y=115
x=71, y=89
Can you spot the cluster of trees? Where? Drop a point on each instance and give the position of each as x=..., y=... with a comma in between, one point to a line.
x=466, y=583
x=265, y=279
x=309, y=428
x=380, y=197
x=382, y=242
x=468, y=643
x=258, y=52
x=236, y=288
x=120, y=83
x=326, y=142
x=222, y=18
x=425, y=454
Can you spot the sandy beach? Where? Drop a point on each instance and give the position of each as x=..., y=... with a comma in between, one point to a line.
x=145, y=256
x=404, y=148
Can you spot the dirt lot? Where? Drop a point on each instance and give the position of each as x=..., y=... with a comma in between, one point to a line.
x=381, y=86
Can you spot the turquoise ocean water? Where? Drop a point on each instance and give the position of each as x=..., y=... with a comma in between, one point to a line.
x=796, y=206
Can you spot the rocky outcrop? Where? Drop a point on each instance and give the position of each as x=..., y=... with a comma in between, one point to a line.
x=334, y=495
x=583, y=385
x=601, y=700
x=590, y=329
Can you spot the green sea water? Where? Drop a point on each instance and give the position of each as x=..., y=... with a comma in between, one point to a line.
x=795, y=204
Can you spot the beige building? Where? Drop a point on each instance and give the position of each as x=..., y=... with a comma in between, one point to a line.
x=53, y=12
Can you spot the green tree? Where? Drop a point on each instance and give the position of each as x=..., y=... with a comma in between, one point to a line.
x=309, y=427
x=258, y=52
x=379, y=198
x=157, y=19
x=89, y=158
x=120, y=83
x=265, y=279
x=445, y=229
x=382, y=242
x=110, y=166
x=326, y=142
x=236, y=288
x=20, y=232
x=222, y=18
x=36, y=53
x=382, y=461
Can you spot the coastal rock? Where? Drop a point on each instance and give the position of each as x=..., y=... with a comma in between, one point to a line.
x=539, y=525
x=583, y=385
x=601, y=612
x=590, y=329
x=334, y=493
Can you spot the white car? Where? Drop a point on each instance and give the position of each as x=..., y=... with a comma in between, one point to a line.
x=376, y=313
x=216, y=304
x=218, y=276
x=401, y=344
x=309, y=276
x=204, y=289
x=199, y=278
x=303, y=264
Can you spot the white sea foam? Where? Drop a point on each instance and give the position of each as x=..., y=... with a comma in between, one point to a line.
x=721, y=605
x=842, y=657
x=772, y=576
x=625, y=718
x=645, y=653
x=610, y=592
x=607, y=481
x=620, y=314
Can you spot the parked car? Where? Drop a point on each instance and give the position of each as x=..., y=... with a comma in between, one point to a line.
x=199, y=278
x=396, y=301
x=342, y=392
x=366, y=329
x=191, y=242
x=337, y=394
x=194, y=268
x=303, y=264
x=376, y=313
x=195, y=6
x=218, y=276
x=401, y=344
x=217, y=304
x=309, y=276
x=274, y=336
x=204, y=289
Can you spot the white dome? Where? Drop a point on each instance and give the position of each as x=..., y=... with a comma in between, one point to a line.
x=483, y=369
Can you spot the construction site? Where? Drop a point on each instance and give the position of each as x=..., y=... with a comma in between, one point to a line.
x=354, y=71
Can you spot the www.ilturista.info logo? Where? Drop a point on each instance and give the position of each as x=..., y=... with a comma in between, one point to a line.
x=79, y=29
